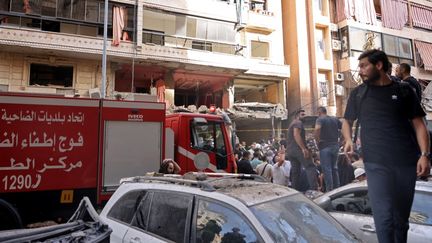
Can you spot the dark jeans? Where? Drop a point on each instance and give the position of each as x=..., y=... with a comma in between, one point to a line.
x=328, y=160
x=297, y=161
x=391, y=192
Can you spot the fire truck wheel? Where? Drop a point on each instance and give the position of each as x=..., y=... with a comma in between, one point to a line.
x=9, y=216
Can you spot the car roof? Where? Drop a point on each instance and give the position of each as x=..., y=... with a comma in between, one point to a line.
x=249, y=189
x=420, y=186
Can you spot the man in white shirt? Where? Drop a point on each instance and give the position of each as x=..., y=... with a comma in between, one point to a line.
x=281, y=170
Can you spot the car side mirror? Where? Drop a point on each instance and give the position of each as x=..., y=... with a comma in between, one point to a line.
x=324, y=202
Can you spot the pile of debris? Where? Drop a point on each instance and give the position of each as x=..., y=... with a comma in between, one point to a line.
x=257, y=110
x=253, y=110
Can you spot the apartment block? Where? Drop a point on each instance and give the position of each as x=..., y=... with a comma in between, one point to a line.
x=187, y=53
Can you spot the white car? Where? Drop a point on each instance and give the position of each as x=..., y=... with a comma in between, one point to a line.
x=350, y=205
x=220, y=209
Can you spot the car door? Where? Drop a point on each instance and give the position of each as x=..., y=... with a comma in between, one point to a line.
x=121, y=214
x=215, y=221
x=353, y=211
x=421, y=218
x=361, y=226
x=164, y=216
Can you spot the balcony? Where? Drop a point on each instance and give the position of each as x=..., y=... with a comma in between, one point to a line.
x=261, y=22
x=161, y=39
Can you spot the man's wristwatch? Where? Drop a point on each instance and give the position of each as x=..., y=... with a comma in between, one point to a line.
x=426, y=154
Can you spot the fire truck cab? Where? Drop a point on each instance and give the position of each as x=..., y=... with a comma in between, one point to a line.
x=201, y=142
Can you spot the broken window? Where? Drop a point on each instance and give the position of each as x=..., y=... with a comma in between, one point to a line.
x=46, y=75
x=124, y=209
x=169, y=215
x=82, y=17
x=219, y=221
x=140, y=218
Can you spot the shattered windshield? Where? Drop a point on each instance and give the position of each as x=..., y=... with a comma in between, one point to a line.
x=296, y=219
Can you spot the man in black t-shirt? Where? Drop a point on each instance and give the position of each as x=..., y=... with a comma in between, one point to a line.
x=327, y=136
x=404, y=73
x=299, y=155
x=244, y=166
x=393, y=154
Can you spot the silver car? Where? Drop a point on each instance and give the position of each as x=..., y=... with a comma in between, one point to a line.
x=234, y=208
x=351, y=207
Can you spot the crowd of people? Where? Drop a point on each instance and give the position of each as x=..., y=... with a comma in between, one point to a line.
x=395, y=146
x=283, y=161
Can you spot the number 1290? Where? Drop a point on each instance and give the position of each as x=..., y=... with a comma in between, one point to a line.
x=15, y=182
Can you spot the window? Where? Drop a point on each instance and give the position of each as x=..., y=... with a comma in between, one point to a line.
x=398, y=49
x=140, y=219
x=259, y=49
x=82, y=17
x=219, y=223
x=155, y=37
x=4, y=5
x=353, y=202
x=202, y=45
x=46, y=75
x=318, y=4
x=421, y=211
x=323, y=84
x=159, y=21
x=202, y=136
x=298, y=219
x=364, y=39
x=258, y=5
x=124, y=209
x=210, y=30
x=169, y=215
x=320, y=43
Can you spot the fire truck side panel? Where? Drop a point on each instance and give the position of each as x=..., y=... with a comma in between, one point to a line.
x=47, y=143
x=131, y=142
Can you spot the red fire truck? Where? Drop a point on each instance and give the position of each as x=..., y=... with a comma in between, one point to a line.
x=55, y=150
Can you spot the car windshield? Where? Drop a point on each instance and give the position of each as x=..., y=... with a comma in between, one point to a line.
x=296, y=219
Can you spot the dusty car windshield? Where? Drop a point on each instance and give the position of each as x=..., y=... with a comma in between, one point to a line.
x=296, y=219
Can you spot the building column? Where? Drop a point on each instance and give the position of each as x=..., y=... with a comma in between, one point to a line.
x=169, y=88
x=296, y=43
x=139, y=24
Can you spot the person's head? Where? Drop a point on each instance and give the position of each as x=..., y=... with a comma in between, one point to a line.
x=167, y=166
x=300, y=114
x=373, y=65
x=246, y=155
x=404, y=70
x=256, y=154
x=322, y=111
x=360, y=174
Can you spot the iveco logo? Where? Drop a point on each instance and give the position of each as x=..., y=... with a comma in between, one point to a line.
x=135, y=117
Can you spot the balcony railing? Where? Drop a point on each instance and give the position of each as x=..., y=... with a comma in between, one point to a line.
x=162, y=39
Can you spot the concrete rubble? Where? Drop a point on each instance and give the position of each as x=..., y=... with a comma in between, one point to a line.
x=252, y=110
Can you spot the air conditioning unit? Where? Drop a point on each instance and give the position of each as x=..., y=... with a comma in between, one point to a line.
x=339, y=77
x=339, y=90
x=336, y=45
x=95, y=93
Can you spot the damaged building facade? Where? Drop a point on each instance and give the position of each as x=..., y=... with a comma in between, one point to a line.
x=187, y=53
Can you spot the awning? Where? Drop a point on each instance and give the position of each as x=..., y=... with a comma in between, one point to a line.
x=421, y=16
x=425, y=51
